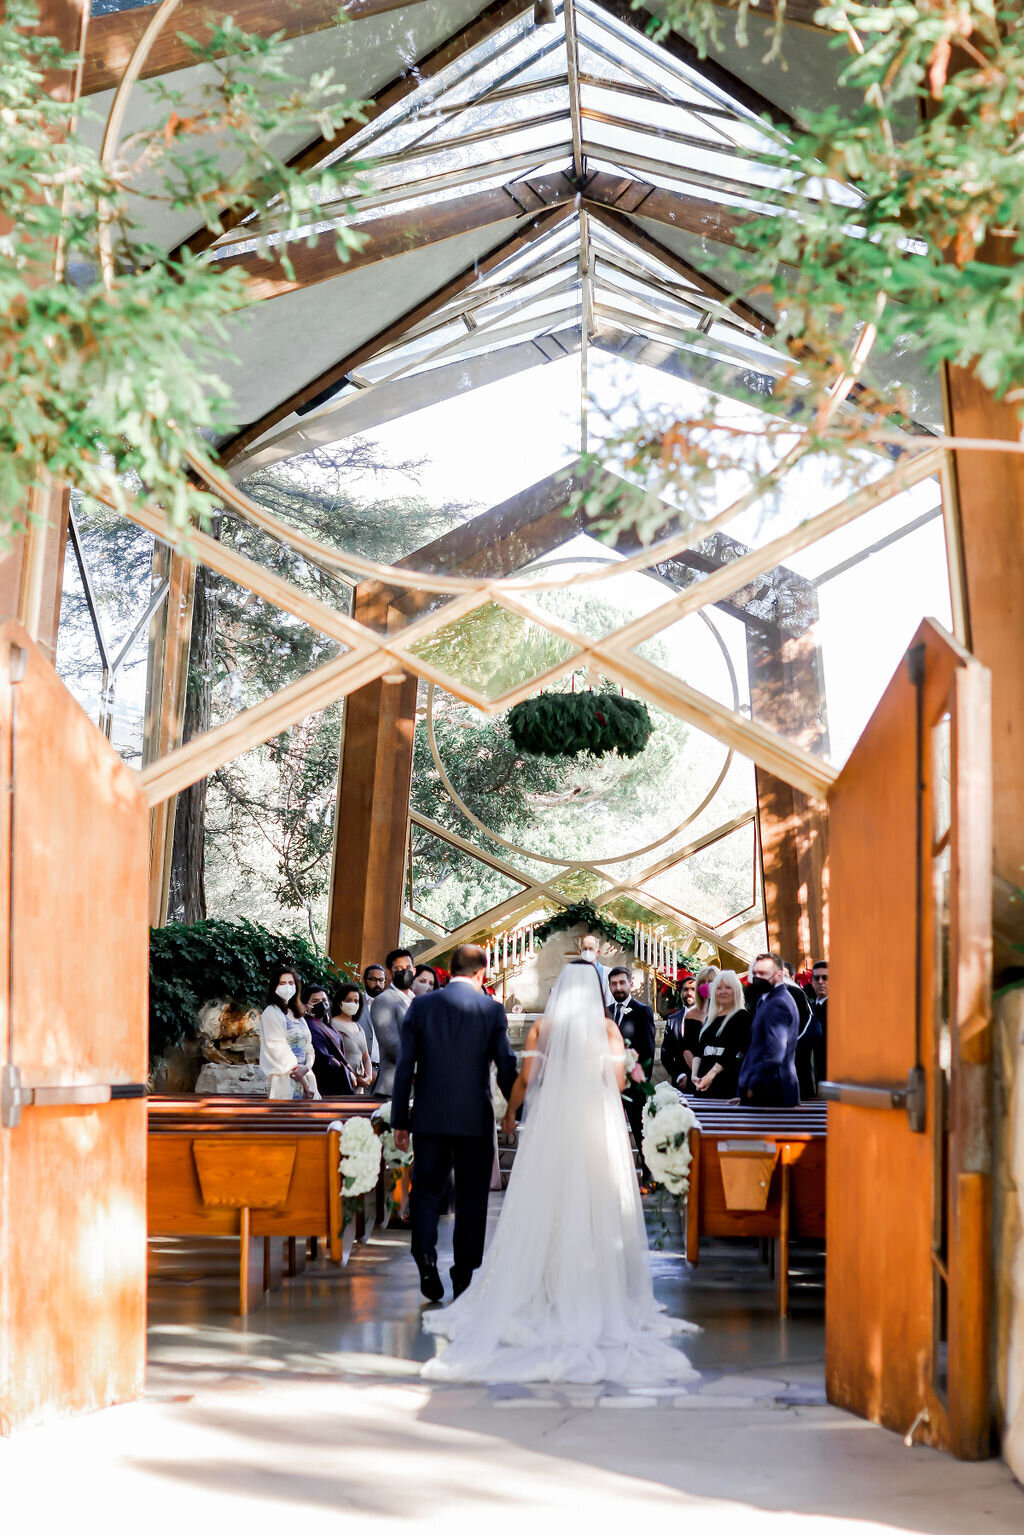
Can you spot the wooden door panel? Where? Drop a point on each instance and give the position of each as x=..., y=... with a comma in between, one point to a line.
x=72, y=1178
x=888, y=1356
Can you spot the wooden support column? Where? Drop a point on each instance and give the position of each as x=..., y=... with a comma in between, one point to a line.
x=787, y=693
x=371, y=823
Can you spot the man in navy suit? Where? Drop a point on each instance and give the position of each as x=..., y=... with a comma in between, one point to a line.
x=449, y=1039
x=768, y=1075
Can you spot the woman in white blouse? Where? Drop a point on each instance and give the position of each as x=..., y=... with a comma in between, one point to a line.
x=286, y=1049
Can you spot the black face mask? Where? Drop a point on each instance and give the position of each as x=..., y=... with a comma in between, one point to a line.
x=755, y=991
x=403, y=979
x=321, y=1010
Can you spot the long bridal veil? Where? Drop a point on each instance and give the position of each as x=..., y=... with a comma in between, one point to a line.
x=565, y=1291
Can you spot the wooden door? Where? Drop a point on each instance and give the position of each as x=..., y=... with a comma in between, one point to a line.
x=909, y=1003
x=73, y=978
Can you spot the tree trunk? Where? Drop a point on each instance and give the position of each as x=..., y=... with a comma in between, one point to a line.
x=186, y=901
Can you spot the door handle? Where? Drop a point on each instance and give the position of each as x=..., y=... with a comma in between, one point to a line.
x=866, y=1095
x=16, y=1095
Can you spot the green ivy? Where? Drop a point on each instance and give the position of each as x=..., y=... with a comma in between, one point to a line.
x=574, y=724
x=596, y=921
x=191, y=964
x=583, y=912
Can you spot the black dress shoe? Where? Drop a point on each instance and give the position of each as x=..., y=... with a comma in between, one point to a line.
x=430, y=1282
x=459, y=1282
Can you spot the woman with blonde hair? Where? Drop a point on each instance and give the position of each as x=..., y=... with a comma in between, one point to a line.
x=723, y=1039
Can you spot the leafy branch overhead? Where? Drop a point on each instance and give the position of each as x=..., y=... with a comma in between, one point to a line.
x=109, y=346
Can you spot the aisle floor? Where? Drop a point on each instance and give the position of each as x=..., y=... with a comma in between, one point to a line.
x=312, y=1407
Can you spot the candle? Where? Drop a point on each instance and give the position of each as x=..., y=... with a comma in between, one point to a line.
x=488, y=952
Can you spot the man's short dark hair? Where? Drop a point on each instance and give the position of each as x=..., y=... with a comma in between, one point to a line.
x=468, y=959
x=819, y=964
x=620, y=970
x=776, y=961
x=398, y=954
x=372, y=967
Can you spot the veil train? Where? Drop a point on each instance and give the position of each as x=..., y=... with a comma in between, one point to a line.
x=564, y=1293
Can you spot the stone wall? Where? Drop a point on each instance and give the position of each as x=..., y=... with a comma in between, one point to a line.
x=1008, y=1225
x=528, y=988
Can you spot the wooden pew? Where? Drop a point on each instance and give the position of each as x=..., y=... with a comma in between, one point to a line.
x=757, y=1173
x=264, y=1171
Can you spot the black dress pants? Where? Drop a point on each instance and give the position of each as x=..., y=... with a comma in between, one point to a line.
x=634, y=1107
x=472, y=1158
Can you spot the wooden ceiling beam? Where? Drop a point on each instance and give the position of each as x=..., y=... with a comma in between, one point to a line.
x=392, y=234
x=640, y=199
x=113, y=37
x=534, y=229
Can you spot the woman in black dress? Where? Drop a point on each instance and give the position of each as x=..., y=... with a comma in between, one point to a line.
x=682, y=1032
x=723, y=1040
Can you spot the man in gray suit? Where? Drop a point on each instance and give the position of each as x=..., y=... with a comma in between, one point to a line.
x=387, y=1014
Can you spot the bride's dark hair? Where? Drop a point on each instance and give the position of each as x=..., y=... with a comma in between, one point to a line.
x=586, y=965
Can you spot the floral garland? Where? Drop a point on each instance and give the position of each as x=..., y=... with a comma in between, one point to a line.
x=578, y=724
x=666, y=1139
x=359, y=1167
x=397, y=1162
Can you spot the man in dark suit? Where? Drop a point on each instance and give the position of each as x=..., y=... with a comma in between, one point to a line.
x=819, y=1007
x=768, y=1075
x=449, y=1039
x=674, y=1042
x=636, y=1025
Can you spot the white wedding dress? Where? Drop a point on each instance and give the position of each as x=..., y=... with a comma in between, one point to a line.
x=564, y=1292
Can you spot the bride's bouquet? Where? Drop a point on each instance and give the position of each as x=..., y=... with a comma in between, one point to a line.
x=667, y=1125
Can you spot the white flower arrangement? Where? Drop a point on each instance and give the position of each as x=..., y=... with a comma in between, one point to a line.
x=667, y=1125
x=360, y=1158
x=393, y=1158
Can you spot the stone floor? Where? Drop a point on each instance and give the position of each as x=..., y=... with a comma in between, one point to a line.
x=310, y=1415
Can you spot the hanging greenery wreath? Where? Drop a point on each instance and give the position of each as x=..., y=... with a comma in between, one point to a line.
x=574, y=724
x=596, y=921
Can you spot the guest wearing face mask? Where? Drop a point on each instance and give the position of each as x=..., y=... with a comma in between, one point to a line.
x=286, y=1047
x=425, y=979
x=590, y=947
x=350, y=1010
x=695, y=1018
x=387, y=1013
x=330, y=1067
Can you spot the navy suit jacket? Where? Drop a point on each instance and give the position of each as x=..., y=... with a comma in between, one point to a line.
x=768, y=1073
x=449, y=1039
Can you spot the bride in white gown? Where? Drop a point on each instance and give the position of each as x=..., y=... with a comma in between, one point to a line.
x=564, y=1293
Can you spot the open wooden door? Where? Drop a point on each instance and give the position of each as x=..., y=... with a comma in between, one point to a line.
x=908, y=1268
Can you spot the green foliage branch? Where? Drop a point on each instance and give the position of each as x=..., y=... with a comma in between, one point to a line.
x=191, y=964
x=897, y=227
x=108, y=346
x=578, y=724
